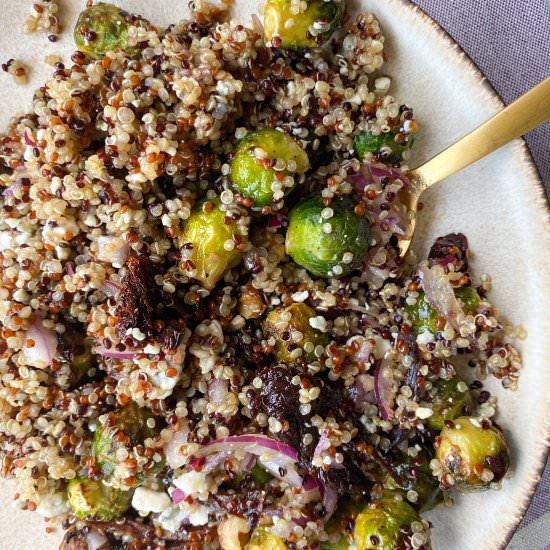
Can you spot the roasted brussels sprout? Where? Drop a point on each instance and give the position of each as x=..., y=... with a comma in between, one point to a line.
x=291, y=329
x=212, y=239
x=380, y=524
x=329, y=241
x=448, y=400
x=267, y=176
x=90, y=499
x=306, y=29
x=262, y=539
x=472, y=453
x=425, y=318
x=133, y=422
x=414, y=474
x=366, y=142
x=100, y=29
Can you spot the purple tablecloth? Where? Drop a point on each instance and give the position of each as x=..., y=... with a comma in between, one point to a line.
x=509, y=40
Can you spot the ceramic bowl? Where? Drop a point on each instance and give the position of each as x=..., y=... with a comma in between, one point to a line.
x=499, y=203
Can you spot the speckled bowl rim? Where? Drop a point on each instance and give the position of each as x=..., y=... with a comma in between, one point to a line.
x=536, y=185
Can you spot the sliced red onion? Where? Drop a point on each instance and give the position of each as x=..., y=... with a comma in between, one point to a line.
x=257, y=24
x=96, y=539
x=171, y=449
x=364, y=390
x=330, y=500
x=323, y=445
x=28, y=140
x=111, y=288
x=69, y=268
x=213, y=461
x=285, y=471
x=178, y=495
x=247, y=463
x=114, y=354
x=40, y=345
x=440, y=295
x=311, y=484
x=252, y=443
x=277, y=458
x=114, y=250
x=384, y=387
x=217, y=391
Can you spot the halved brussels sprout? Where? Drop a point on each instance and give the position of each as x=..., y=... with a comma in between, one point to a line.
x=213, y=238
x=306, y=29
x=262, y=539
x=366, y=142
x=448, y=401
x=329, y=241
x=133, y=422
x=424, y=317
x=93, y=500
x=380, y=526
x=414, y=474
x=253, y=168
x=473, y=453
x=338, y=526
x=291, y=328
x=100, y=29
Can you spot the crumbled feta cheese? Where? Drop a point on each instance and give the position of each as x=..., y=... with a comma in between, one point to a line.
x=147, y=500
x=423, y=412
x=193, y=483
x=52, y=505
x=319, y=323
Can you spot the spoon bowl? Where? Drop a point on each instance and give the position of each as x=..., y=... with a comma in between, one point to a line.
x=526, y=113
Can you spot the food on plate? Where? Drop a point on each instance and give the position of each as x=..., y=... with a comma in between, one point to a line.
x=208, y=336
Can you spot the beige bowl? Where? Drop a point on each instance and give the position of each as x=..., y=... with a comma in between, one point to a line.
x=499, y=203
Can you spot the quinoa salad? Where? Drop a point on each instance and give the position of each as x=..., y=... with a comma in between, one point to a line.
x=208, y=338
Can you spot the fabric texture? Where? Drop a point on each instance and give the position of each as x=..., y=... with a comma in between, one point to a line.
x=509, y=40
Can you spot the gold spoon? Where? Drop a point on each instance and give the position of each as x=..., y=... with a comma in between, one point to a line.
x=526, y=113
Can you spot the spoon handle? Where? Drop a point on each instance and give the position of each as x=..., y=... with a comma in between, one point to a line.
x=526, y=113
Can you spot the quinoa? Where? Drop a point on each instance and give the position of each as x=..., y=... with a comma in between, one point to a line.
x=99, y=183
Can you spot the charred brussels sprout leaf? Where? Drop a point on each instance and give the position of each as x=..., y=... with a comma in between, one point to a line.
x=94, y=500
x=365, y=142
x=423, y=316
x=448, y=401
x=207, y=235
x=82, y=361
x=291, y=329
x=132, y=421
x=327, y=246
x=379, y=525
x=262, y=539
x=260, y=476
x=309, y=29
x=473, y=453
x=100, y=29
x=468, y=297
x=338, y=525
x=254, y=178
